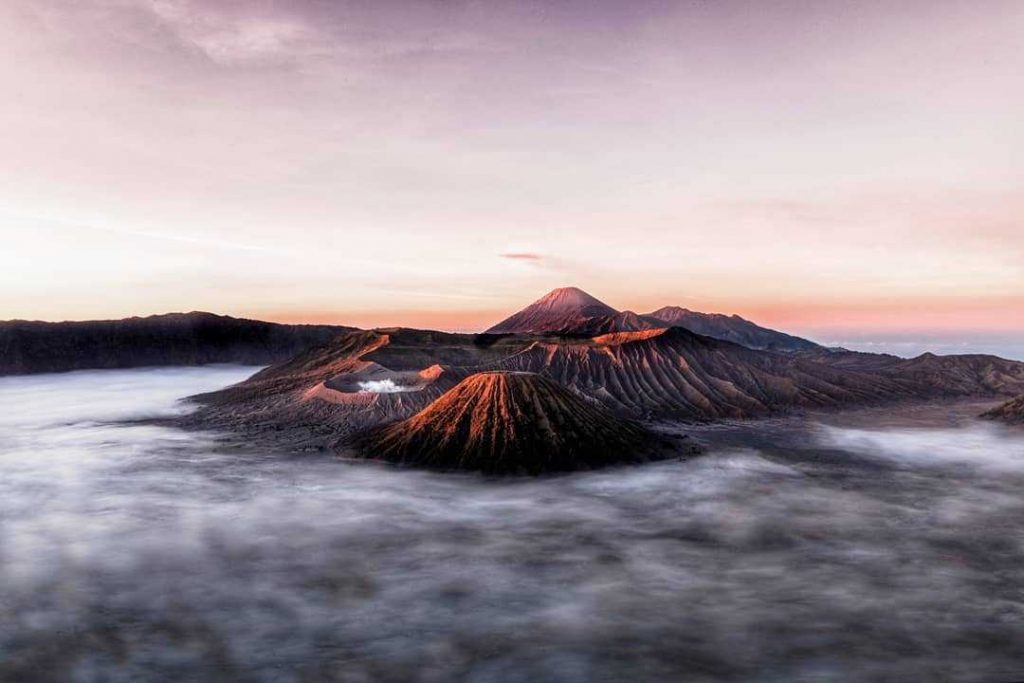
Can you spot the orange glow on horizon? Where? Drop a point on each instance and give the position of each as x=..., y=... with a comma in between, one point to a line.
x=448, y=321
x=1004, y=314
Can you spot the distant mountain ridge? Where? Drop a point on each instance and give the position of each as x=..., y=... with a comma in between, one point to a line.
x=571, y=311
x=732, y=328
x=196, y=338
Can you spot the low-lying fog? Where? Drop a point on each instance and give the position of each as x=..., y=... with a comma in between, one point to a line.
x=137, y=552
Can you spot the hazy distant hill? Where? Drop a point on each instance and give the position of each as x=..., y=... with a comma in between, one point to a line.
x=28, y=347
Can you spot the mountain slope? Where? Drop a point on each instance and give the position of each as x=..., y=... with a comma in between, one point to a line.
x=675, y=373
x=173, y=339
x=626, y=321
x=559, y=309
x=731, y=328
x=671, y=373
x=1011, y=411
x=511, y=423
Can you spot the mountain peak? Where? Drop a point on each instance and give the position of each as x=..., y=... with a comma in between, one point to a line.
x=670, y=313
x=570, y=297
x=511, y=422
x=559, y=309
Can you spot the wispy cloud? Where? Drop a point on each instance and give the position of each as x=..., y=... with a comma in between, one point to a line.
x=523, y=256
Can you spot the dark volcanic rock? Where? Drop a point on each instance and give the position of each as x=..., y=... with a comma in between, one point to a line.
x=1011, y=411
x=668, y=373
x=312, y=400
x=933, y=376
x=512, y=423
x=28, y=347
x=730, y=328
x=627, y=321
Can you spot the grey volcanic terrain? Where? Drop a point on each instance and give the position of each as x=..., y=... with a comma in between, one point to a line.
x=513, y=423
x=28, y=347
x=731, y=328
x=366, y=379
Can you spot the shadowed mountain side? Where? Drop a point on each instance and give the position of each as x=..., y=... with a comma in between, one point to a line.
x=730, y=328
x=1011, y=411
x=28, y=347
x=932, y=375
x=677, y=374
x=627, y=321
x=513, y=423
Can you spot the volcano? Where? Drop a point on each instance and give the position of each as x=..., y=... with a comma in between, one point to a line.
x=730, y=328
x=569, y=311
x=318, y=398
x=325, y=396
x=560, y=309
x=512, y=423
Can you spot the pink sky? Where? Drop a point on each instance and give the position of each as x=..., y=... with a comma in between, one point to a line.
x=827, y=167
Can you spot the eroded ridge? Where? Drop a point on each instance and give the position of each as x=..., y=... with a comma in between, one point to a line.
x=513, y=423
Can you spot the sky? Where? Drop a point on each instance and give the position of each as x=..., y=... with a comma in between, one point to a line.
x=850, y=171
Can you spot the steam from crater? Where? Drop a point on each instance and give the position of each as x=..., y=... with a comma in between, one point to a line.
x=383, y=386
